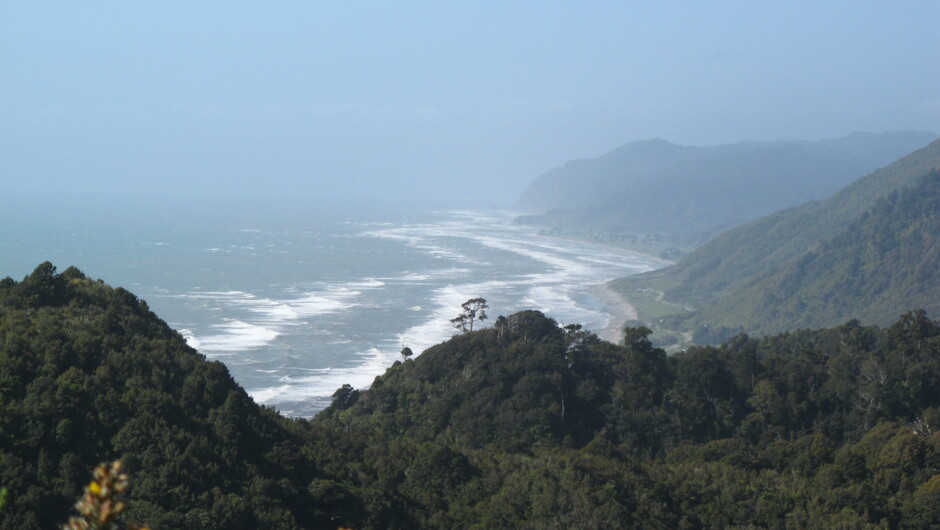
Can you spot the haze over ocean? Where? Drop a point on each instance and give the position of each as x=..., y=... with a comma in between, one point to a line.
x=299, y=298
x=431, y=99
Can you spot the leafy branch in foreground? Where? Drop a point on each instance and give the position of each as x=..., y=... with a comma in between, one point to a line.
x=101, y=505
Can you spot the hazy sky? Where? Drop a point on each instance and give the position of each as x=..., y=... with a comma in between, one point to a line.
x=470, y=99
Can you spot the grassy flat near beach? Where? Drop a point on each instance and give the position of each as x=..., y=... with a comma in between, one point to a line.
x=652, y=311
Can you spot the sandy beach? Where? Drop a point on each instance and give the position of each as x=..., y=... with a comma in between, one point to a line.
x=619, y=307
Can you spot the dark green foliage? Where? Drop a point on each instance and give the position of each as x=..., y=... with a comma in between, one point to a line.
x=714, y=335
x=89, y=374
x=513, y=427
x=524, y=425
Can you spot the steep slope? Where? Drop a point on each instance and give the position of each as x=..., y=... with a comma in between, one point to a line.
x=528, y=425
x=658, y=187
x=89, y=374
x=886, y=261
x=507, y=388
x=523, y=425
x=731, y=260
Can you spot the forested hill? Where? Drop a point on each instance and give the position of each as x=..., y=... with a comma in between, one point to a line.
x=522, y=425
x=689, y=194
x=528, y=425
x=723, y=263
x=884, y=262
x=738, y=258
x=89, y=374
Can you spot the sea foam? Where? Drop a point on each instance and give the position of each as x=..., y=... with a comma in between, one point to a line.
x=309, y=338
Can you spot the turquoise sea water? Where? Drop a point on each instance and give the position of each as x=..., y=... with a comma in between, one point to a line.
x=298, y=297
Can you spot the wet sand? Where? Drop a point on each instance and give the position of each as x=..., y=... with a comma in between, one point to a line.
x=619, y=307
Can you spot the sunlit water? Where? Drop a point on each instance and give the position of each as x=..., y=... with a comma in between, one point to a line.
x=298, y=300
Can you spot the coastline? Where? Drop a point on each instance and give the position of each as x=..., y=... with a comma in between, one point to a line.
x=619, y=307
x=655, y=259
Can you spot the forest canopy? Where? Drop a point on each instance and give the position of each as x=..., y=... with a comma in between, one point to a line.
x=524, y=424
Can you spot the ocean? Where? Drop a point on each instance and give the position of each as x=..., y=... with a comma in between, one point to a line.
x=299, y=296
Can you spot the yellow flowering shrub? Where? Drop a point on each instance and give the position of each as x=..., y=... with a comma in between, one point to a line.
x=101, y=505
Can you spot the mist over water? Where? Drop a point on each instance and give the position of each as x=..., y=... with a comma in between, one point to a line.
x=298, y=300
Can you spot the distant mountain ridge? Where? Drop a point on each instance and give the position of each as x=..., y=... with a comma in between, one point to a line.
x=766, y=276
x=654, y=186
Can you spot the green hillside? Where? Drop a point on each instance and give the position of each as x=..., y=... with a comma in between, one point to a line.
x=522, y=425
x=733, y=260
x=886, y=261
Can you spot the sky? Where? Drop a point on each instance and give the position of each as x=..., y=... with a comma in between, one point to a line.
x=465, y=100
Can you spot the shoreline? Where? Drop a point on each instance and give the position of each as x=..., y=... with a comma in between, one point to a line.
x=620, y=308
x=580, y=239
x=646, y=253
x=655, y=259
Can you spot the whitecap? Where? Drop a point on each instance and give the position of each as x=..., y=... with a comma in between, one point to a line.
x=411, y=277
x=236, y=336
x=559, y=269
x=190, y=338
x=314, y=304
x=366, y=283
x=299, y=389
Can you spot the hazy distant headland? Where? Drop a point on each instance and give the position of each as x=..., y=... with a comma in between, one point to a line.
x=654, y=194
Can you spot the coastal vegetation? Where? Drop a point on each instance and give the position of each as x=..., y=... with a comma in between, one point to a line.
x=866, y=253
x=524, y=424
x=89, y=374
x=885, y=261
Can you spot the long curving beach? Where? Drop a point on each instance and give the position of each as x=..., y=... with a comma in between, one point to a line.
x=619, y=307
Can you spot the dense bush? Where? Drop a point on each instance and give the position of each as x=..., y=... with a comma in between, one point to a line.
x=89, y=374
x=523, y=425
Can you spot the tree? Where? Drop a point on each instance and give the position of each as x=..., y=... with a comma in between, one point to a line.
x=501, y=326
x=473, y=310
x=637, y=338
x=43, y=286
